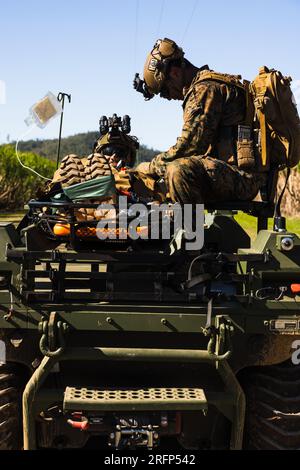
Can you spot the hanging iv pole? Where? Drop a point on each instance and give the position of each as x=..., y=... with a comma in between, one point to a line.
x=61, y=97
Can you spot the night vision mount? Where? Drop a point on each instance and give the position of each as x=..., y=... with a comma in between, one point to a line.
x=114, y=124
x=140, y=86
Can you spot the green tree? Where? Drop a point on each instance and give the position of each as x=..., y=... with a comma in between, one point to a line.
x=18, y=185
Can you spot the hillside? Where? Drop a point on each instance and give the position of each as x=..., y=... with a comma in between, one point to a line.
x=81, y=144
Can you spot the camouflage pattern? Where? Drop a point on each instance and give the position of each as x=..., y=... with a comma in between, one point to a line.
x=146, y=186
x=202, y=180
x=211, y=109
x=128, y=143
x=115, y=139
x=202, y=165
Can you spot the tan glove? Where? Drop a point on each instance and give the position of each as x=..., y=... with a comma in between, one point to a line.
x=122, y=179
x=143, y=167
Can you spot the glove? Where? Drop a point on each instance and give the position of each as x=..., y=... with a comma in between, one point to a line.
x=145, y=168
x=122, y=180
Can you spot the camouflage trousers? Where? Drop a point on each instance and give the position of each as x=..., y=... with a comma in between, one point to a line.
x=199, y=180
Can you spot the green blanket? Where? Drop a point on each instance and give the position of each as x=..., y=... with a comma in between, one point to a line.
x=104, y=186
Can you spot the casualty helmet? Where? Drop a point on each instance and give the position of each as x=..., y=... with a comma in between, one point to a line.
x=114, y=139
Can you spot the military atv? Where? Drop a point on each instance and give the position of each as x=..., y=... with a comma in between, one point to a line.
x=141, y=343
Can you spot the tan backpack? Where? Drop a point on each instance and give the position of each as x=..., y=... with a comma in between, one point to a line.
x=276, y=119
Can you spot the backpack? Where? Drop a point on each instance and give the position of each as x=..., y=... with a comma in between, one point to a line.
x=276, y=119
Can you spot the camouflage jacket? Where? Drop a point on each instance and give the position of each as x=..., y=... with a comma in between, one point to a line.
x=211, y=109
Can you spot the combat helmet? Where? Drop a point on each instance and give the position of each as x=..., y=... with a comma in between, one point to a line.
x=156, y=67
x=114, y=139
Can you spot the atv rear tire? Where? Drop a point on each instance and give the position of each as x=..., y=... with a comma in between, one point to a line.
x=272, y=407
x=10, y=409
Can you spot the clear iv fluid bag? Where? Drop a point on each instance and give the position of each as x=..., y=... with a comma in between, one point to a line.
x=44, y=110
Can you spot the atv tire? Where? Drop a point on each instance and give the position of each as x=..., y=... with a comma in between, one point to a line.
x=272, y=407
x=10, y=409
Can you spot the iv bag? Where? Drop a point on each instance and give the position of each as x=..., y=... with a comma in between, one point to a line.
x=44, y=110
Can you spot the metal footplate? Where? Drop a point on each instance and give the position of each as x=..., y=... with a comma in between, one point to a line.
x=166, y=399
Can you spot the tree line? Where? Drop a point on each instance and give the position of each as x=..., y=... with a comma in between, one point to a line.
x=18, y=185
x=80, y=144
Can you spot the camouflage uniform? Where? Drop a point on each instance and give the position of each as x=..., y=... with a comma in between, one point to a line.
x=202, y=166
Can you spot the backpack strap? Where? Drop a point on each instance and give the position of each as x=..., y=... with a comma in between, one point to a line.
x=233, y=80
x=258, y=88
x=263, y=128
x=250, y=109
x=283, y=80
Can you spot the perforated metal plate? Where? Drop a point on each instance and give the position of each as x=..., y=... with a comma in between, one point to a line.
x=135, y=399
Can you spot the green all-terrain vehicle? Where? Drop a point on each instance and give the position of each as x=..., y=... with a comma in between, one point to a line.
x=140, y=343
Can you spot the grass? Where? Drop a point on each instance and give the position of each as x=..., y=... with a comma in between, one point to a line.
x=249, y=224
x=13, y=217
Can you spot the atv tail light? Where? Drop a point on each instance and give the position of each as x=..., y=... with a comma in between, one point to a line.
x=295, y=288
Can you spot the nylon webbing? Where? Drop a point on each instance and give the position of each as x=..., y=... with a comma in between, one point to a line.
x=263, y=130
x=250, y=109
x=228, y=79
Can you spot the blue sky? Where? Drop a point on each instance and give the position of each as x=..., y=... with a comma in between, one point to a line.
x=92, y=49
